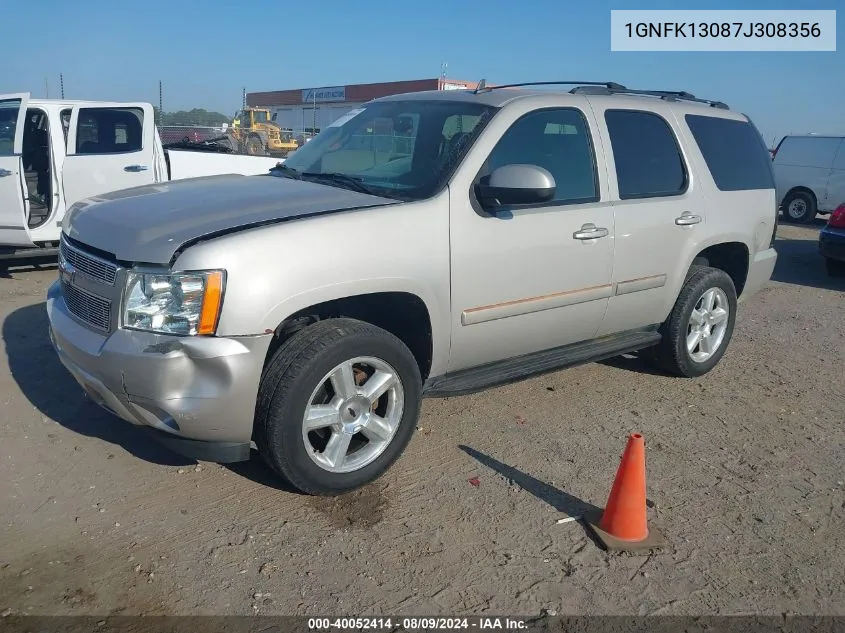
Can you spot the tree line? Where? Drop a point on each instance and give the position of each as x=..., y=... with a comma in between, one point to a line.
x=197, y=116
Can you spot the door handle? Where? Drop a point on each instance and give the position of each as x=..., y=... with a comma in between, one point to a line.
x=135, y=168
x=687, y=219
x=5, y=172
x=590, y=232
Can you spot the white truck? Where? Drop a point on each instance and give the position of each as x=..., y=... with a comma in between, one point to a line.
x=54, y=153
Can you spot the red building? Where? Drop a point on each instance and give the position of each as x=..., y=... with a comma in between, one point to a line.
x=306, y=108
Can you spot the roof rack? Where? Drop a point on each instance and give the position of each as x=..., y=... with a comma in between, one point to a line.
x=483, y=87
x=607, y=88
x=668, y=95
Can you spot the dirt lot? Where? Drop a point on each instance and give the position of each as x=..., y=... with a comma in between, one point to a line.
x=745, y=474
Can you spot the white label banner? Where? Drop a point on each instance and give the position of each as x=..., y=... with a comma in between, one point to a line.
x=723, y=30
x=337, y=93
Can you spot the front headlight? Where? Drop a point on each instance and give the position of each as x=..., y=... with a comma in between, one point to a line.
x=174, y=303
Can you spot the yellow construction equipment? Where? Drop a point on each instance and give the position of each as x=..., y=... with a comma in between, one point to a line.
x=252, y=132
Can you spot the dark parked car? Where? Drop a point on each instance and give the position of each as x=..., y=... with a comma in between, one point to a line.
x=832, y=242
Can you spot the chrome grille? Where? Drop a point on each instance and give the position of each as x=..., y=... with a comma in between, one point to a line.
x=93, y=310
x=94, y=267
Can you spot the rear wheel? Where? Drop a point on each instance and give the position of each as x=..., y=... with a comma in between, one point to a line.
x=254, y=146
x=337, y=405
x=799, y=207
x=835, y=268
x=699, y=329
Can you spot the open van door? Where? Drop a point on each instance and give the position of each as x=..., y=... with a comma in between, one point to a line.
x=109, y=147
x=13, y=205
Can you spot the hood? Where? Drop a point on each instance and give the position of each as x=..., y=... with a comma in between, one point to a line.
x=151, y=223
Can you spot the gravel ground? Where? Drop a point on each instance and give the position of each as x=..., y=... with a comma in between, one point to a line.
x=745, y=477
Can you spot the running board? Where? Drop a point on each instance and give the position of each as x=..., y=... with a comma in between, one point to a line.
x=519, y=368
x=31, y=252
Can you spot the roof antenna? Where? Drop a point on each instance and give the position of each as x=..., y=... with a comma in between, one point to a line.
x=482, y=85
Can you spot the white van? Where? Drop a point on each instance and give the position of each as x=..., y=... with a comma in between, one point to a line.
x=810, y=175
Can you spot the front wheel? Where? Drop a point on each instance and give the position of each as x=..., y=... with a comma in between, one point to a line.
x=699, y=329
x=337, y=405
x=254, y=146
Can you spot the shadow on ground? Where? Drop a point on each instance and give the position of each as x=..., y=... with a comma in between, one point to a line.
x=635, y=362
x=52, y=390
x=257, y=471
x=558, y=499
x=800, y=263
x=12, y=267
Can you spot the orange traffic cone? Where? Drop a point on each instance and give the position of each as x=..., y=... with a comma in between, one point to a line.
x=623, y=525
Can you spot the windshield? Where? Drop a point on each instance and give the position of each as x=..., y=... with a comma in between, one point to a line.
x=260, y=116
x=397, y=149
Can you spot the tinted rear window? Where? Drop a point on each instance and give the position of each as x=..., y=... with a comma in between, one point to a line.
x=734, y=151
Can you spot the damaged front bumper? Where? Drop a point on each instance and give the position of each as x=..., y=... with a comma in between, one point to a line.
x=194, y=394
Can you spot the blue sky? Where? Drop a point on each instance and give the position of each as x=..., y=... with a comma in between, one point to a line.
x=205, y=53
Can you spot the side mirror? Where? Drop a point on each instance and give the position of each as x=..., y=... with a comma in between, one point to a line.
x=517, y=184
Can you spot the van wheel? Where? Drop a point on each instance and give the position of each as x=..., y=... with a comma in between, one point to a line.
x=337, y=405
x=799, y=207
x=699, y=329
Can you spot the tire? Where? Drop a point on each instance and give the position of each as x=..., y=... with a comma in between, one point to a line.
x=294, y=378
x=799, y=207
x=228, y=142
x=254, y=146
x=834, y=267
x=672, y=353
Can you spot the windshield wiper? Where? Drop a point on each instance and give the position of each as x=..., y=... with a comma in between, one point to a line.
x=350, y=182
x=288, y=172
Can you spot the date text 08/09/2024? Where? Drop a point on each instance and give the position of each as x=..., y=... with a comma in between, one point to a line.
x=415, y=624
x=724, y=29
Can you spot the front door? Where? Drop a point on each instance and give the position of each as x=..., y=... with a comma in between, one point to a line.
x=14, y=229
x=110, y=147
x=531, y=277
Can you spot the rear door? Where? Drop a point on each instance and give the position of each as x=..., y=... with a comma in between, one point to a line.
x=658, y=212
x=110, y=147
x=13, y=206
x=806, y=162
x=836, y=181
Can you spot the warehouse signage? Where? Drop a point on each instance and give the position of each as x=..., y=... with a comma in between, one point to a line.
x=453, y=86
x=337, y=93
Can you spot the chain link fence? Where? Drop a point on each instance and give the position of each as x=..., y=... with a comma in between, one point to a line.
x=262, y=140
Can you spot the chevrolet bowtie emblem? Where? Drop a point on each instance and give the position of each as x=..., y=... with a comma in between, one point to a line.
x=67, y=271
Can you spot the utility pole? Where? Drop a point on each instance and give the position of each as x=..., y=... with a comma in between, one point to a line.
x=62, y=84
x=160, y=104
x=46, y=89
x=243, y=99
x=314, y=121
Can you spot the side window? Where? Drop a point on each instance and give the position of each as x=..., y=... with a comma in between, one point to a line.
x=808, y=151
x=109, y=131
x=648, y=160
x=64, y=115
x=557, y=140
x=9, y=110
x=734, y=151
